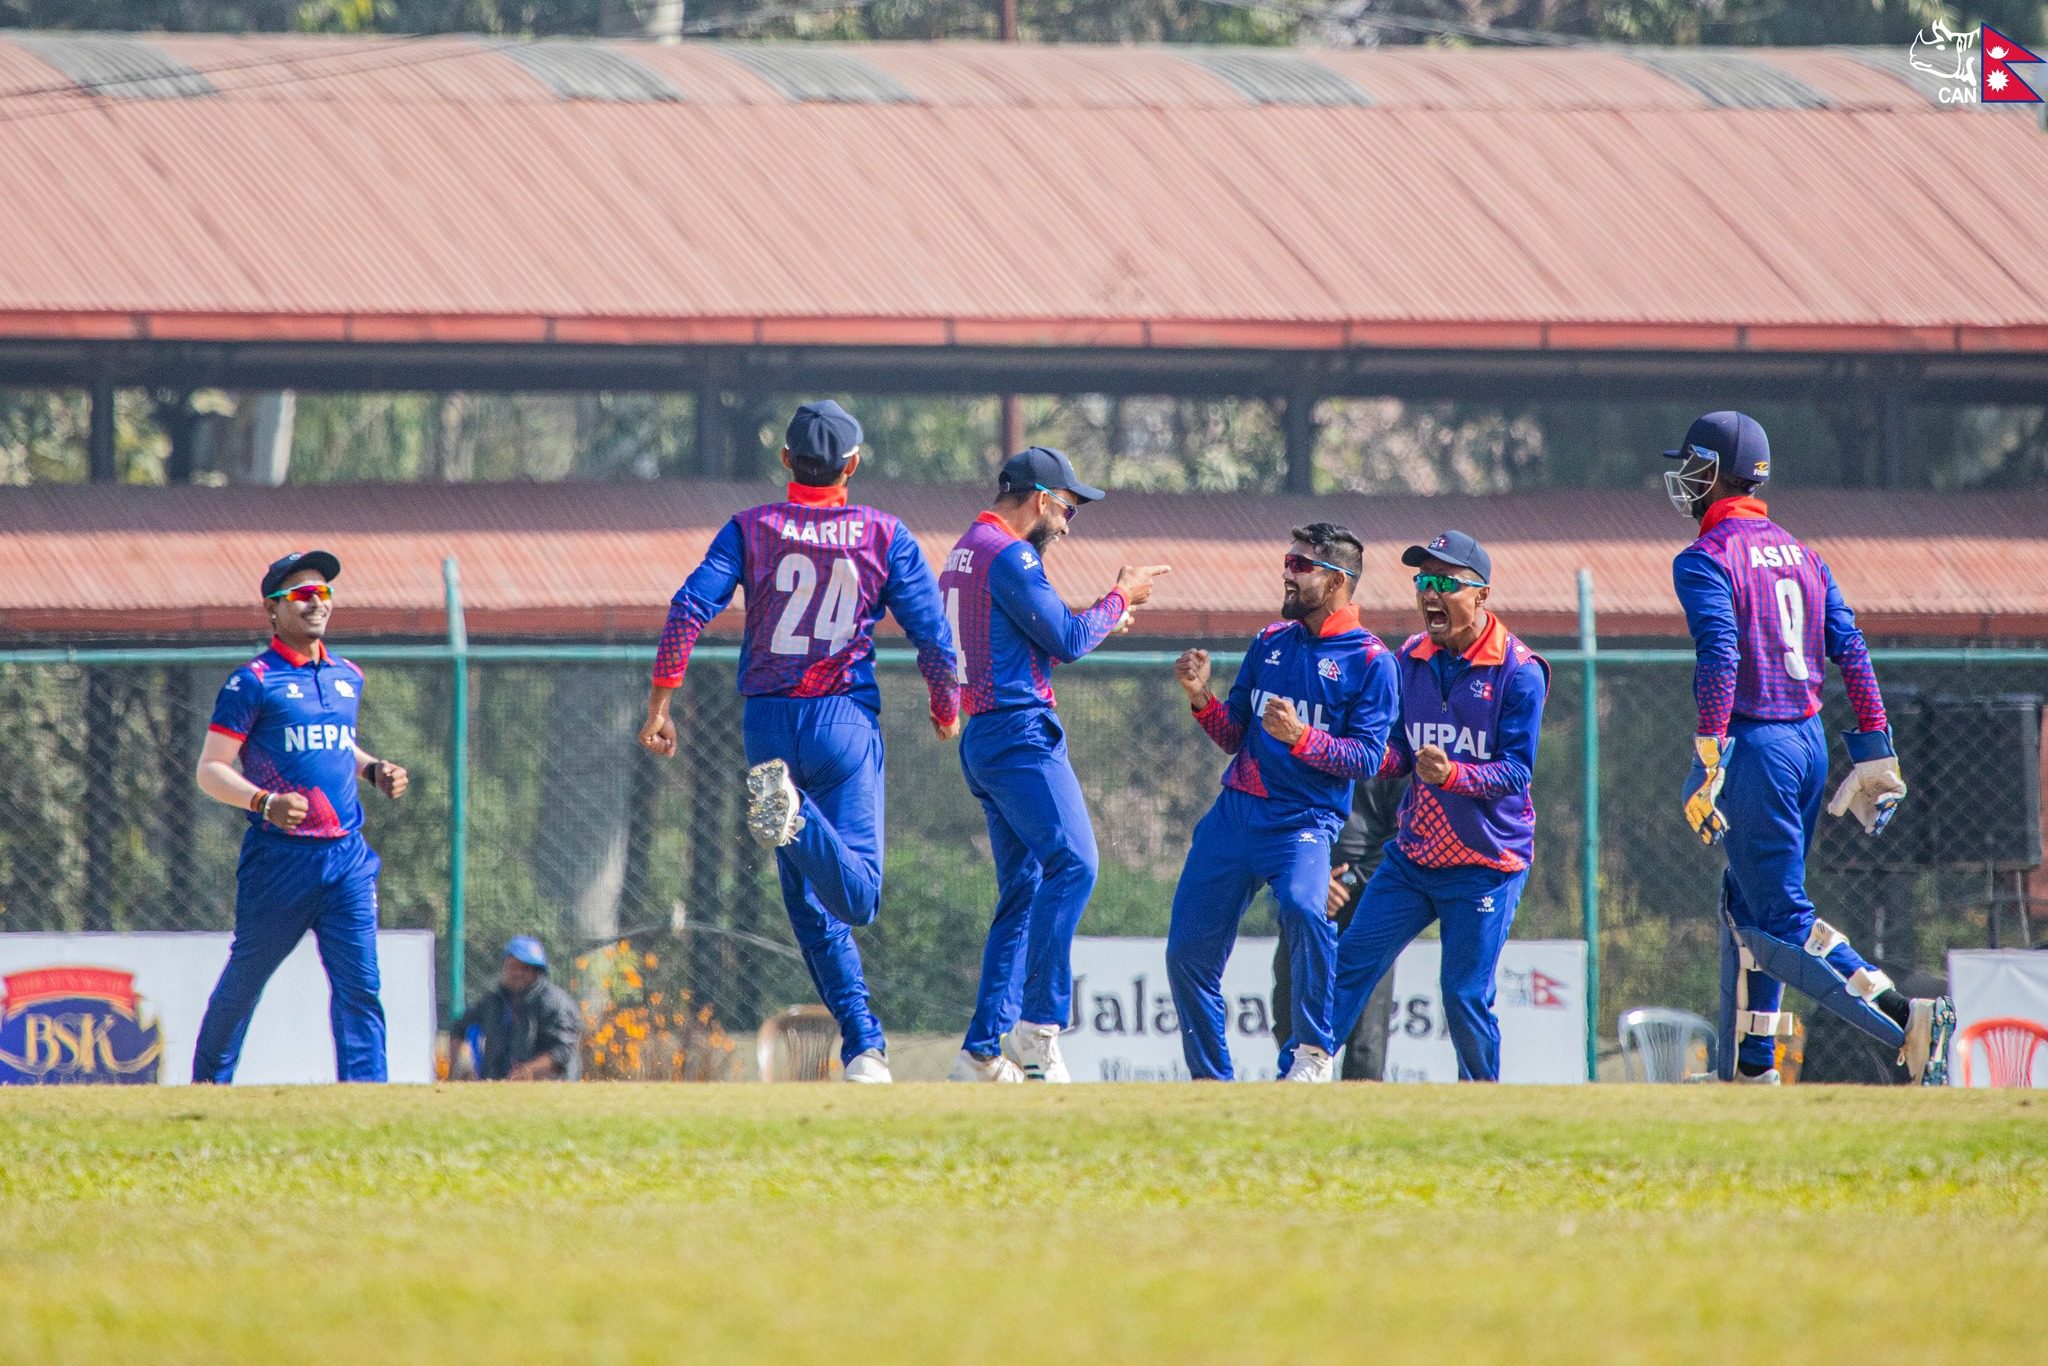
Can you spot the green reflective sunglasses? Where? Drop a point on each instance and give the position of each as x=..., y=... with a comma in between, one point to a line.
x=1443, y=583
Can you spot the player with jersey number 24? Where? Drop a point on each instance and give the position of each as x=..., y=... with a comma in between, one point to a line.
x=819, y=572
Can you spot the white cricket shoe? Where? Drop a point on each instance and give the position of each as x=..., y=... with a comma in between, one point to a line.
x=1036, y=1049
x=1767, y=1077
x=1311, y=1064
x=871, y=1067
x=1929, y=1027
x=973, y=1067
x=774, y=810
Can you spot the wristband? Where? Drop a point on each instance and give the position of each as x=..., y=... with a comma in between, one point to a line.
x=375, y=773
x=260, y=802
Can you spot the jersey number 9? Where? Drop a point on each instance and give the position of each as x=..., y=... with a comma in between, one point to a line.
x=838, y=610
x=1792, y=627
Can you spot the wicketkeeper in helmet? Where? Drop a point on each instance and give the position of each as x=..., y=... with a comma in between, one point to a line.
x=1763, y=611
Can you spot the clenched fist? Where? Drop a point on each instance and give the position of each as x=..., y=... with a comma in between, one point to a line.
x=1281, y=723
x=1191, y=671
x=1432, y=765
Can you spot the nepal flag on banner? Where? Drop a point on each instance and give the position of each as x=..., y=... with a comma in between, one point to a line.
x=2000, y=81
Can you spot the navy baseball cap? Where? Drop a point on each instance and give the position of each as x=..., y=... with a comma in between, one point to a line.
x=1043, y=467
x=1737, y=440
x=823, y=433
x=1453, y=547
x=323, y=562
x=526, y=949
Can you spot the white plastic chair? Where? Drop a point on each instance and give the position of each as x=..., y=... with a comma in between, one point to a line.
x=1659, y=1043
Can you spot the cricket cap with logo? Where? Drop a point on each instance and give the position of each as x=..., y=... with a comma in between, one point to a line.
x=1042, y=467
x=1733, y=441
x=1452, y=547
x=321, y=562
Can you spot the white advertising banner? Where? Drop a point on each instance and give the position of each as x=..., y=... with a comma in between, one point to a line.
x=1991, y=984
x=1124, y=1026
x=1540, y=997
x=126, y=1008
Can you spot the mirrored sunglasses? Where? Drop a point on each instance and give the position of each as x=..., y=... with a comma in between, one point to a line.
x=307, y=592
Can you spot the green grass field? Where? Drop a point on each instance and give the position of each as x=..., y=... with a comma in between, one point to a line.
x=955, y=1224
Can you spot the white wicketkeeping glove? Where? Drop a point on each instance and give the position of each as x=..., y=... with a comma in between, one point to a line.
x=1873, y=791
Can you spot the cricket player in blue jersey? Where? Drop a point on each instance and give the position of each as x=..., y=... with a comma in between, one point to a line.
x=1471, y=712
x=819, y=572
x=1308, y=714
x=283, y=748
x=1764, y=613
x=1012, y=628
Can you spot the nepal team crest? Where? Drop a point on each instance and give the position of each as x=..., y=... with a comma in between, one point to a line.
x=74, y=1025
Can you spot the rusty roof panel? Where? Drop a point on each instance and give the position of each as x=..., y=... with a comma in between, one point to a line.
x=433, y=186
x=601, y=560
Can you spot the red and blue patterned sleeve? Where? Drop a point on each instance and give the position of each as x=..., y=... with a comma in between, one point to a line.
x=706, y=593
x=1360, y=751
x=1521, y=725
x=1219, y=725
x=912, y=596
x=1846, y=647
x=1709, y=602
x=234, y=711
x=1017, y=584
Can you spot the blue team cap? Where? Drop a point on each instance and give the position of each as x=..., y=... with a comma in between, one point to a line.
x=1453, y=547
x=1735, y=440
x=526, y=949
x=824, y=434
x=1042, y=467
x=328, y=567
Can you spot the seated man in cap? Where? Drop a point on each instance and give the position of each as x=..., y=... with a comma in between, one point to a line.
x=819, y=572
x=1471, y=708
x=525, y=1028
x=1011, y=628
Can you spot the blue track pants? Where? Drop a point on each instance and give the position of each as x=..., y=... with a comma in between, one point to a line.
x=1238, y=848
x=1044, y=845
x=1777, y=776
x=832, y=872
x=284, y=886
x=1475, y=907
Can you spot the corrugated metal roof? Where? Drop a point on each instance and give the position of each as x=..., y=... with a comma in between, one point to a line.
x=590, y=71
x=820, y=74
x=1733, y=80
x=1009, y=194
x=593, y=561
x=118, y=66
x=1266, y=76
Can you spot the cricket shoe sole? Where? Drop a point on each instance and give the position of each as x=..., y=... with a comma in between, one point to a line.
x=774, y=807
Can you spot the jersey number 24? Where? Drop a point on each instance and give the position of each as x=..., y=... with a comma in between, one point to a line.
x=838, y=610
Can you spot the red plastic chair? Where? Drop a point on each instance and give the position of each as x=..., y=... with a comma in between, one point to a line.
x=2009, y=1048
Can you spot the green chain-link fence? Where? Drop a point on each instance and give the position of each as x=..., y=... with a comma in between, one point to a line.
x=571, y=832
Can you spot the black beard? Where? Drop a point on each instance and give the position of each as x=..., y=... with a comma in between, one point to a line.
x=1294, y=609
x=1042, y=535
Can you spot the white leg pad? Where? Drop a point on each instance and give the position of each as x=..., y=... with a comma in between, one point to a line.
x=1767, y=1023
x=1868, y=983
x=1824, y=938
